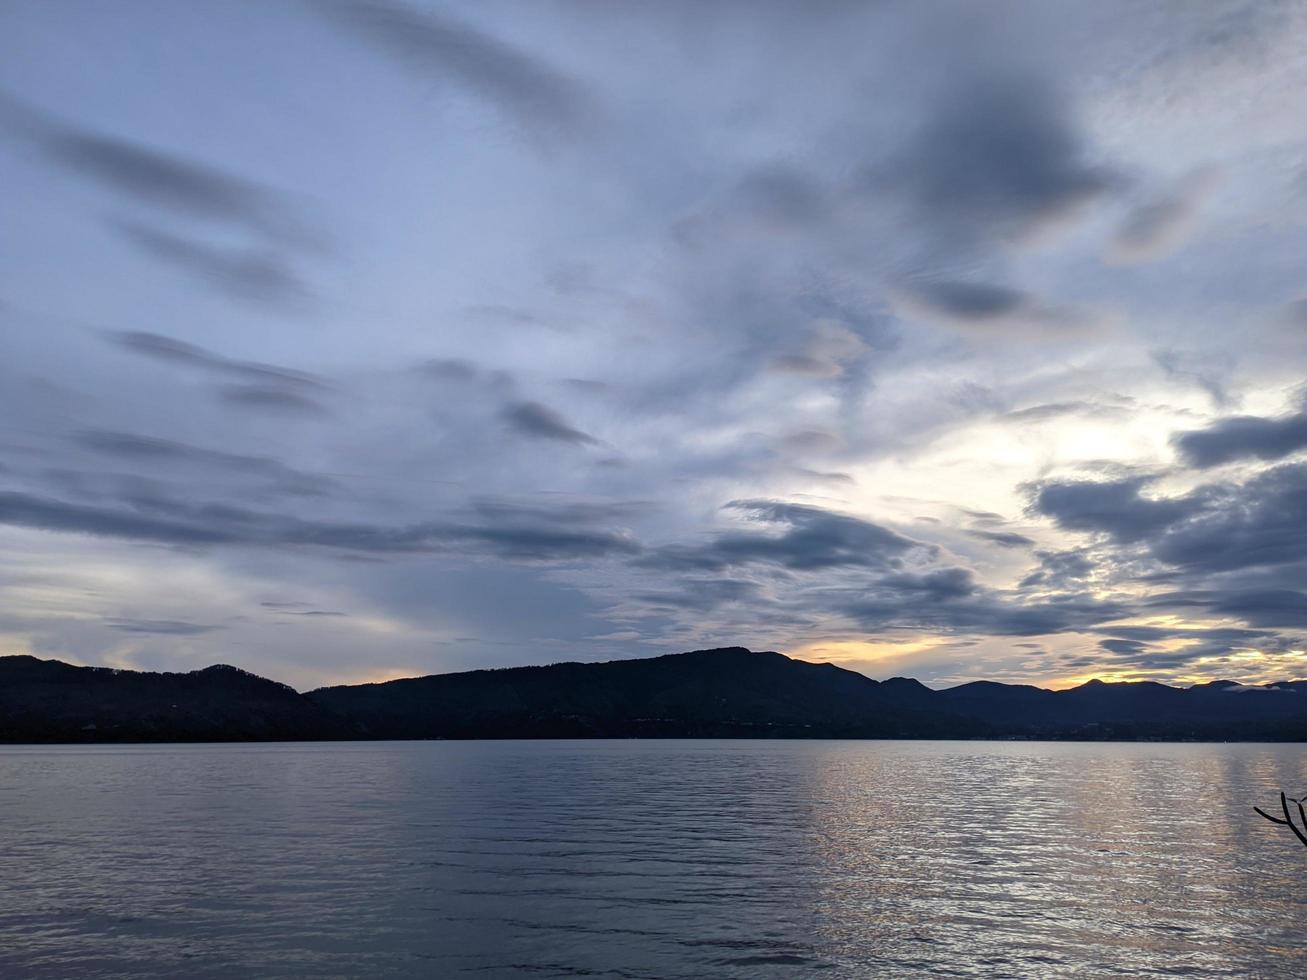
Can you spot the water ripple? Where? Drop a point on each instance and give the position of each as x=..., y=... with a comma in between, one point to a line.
x=675, y=859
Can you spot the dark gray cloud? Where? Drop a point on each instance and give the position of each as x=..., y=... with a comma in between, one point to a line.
x=938, y=584
x=1127, y=648
x=1271, y=608
x=1004, y=539
x=805, y=539
x=525, y=88
x=701, y=594
x=257, y=275
x=161, y=627
x=173, y=351
x=1261, y=522
x=1242, y=437
x=25, y=510
x=150, y=451
x=539, y=421
x=982, y=612
x=271, y=399
x=543, y=543
x=977, y=305
x=970, y=301
x=1154, y=634
x=1059, y=571
x=1112, y=507
x=165, y=521
x=159, y=178
x=1001, y=154
x=250, y=385
x=561, y=511
x=1233, y=549
x=1140, y=647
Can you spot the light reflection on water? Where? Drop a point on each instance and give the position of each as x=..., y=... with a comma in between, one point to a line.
x=650, y=859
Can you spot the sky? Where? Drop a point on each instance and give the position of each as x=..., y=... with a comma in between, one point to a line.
x=343, y=341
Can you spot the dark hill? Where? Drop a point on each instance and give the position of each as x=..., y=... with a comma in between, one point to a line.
x=728, y=693
x=50, y=701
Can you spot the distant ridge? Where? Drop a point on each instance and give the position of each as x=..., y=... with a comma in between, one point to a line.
x=724, y=693
x=51, y=701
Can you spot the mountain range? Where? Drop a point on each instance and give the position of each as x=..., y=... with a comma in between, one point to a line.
x=723, y=693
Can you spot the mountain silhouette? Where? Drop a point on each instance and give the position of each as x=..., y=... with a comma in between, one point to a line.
x=50, y=701
x=725, y=693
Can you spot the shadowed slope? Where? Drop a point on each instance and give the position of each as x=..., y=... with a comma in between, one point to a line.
x=724, y=692
x=729, y=693
x=50, y=701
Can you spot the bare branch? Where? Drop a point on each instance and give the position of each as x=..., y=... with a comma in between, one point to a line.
x=1287, y=820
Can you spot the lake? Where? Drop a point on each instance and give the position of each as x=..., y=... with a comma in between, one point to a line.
x=668, y=859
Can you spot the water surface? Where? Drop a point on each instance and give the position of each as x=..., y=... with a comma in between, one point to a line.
x=668, y=859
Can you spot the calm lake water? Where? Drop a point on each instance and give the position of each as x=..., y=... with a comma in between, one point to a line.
x=650, y=859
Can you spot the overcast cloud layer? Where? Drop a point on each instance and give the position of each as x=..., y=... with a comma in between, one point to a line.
x=345, y=340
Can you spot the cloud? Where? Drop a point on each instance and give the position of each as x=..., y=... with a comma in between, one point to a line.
x=1159, y=226
x=450, y=369
x=151, y=451
x=782, y=197
x=937, y=584
x=1112, y=507
x=257, y=275
x=1215, y=528
x=538, y=421
x=1123, y=647
x=1211, y=374
x=1261, y=522
x=270, y=398
x=1242, y=437
x=1142, y=647
x=701, y=594
x=1000, y=155
x=161, y=179
x=161, y=627
x=1264, y=607
x=283, y=608
x=806, y=539
x=170, y=350
x=250, y=385
x=516, y=510
x=545, y=543
x=24, y=510
x=1035, y=414
x=976, y=306
x=808, y=441
x=523, y=87
x=1004, y=539
x=829, y=350
x=1059, y=571
x=175, y=523
x=983, y=612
